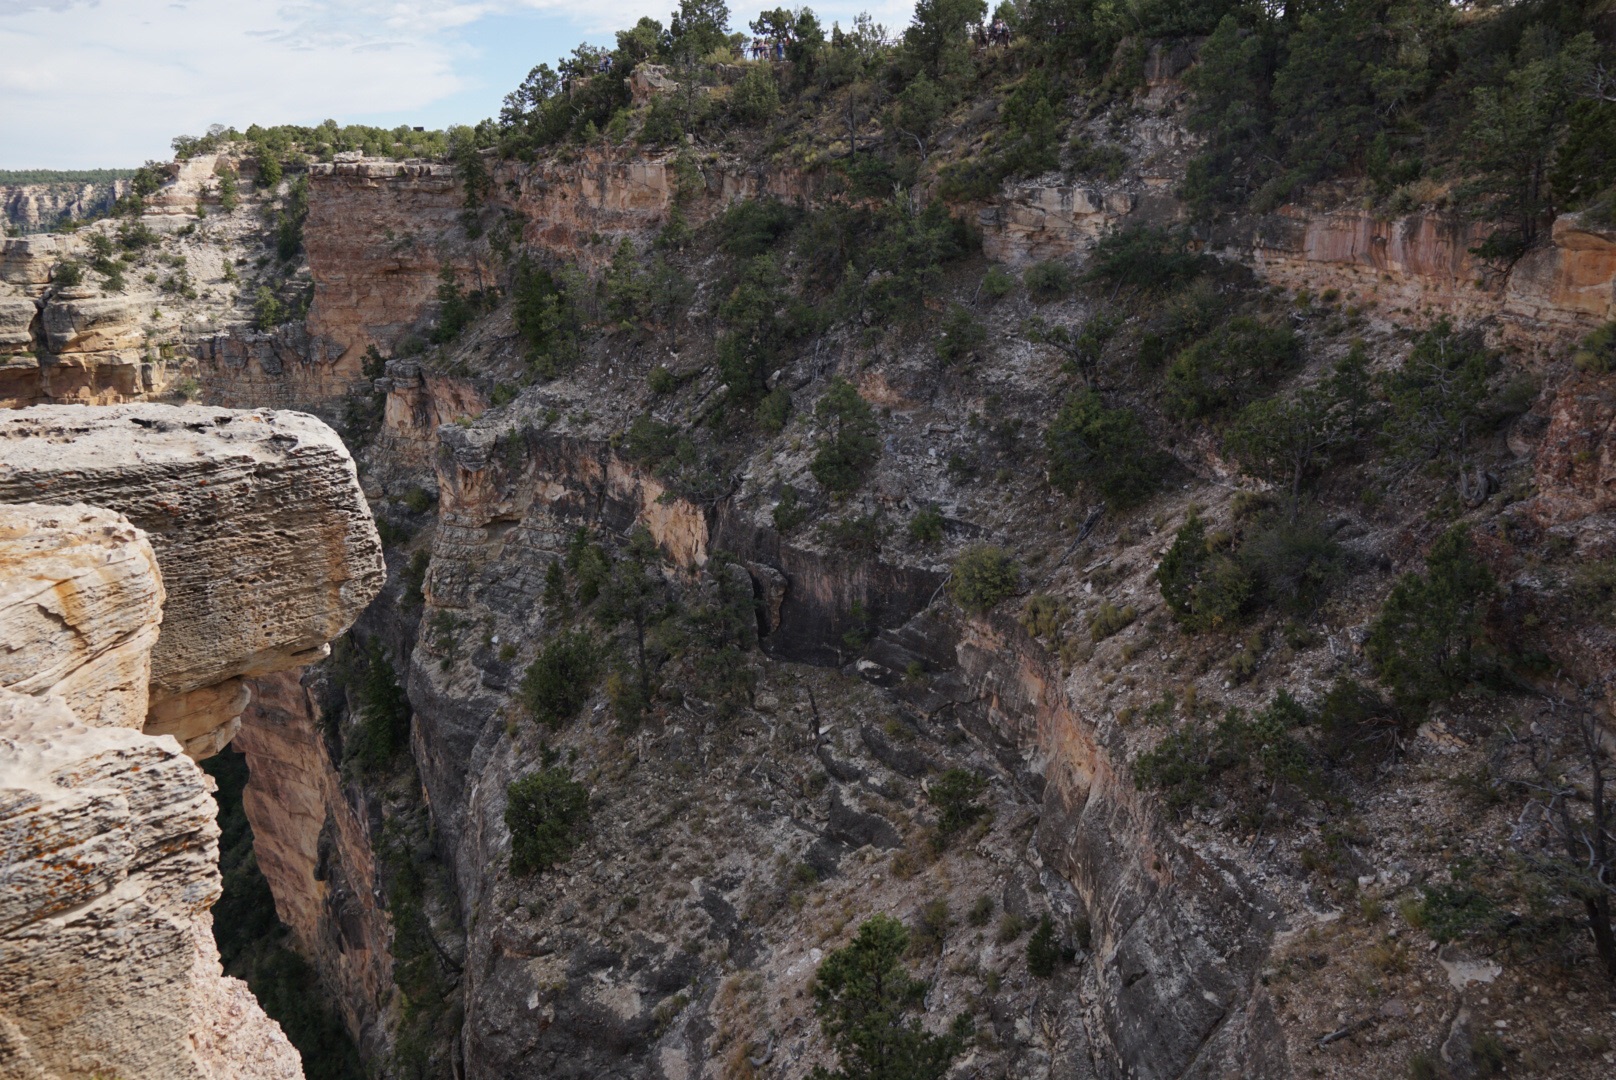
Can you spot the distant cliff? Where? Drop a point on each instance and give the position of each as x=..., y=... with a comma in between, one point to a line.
x=35, y=207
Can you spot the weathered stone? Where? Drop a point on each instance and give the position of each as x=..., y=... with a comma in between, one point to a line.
x=312, y=840
x=266, y=546
x=109, y=966
x=80, y=604
x=94, y=324
x=16, y=324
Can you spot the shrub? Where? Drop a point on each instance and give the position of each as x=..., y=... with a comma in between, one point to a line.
x=1145, y=258
x=1597, y=353
x=1426, y=643
x=926, y=527
x=962, y=335
x=981, y=911
x=1110, y=620
x=983, y=575
x=662, y=381
x=266, y=309
x=384, y=711
x=1044, y=953
x=754, y=227
x=1228, y=368
x=851, y=445
x=755, y=99
x=955, y=794
x=546, y=813
x=1107, y=449
x=857, y=538
x=790, y=511
x=1048, y=280
x=862, y=995
x=774, y=410
x=998, y=282
x=68, y=272
x=546, y=317
x=561, y=679
x=1204, y=589
x=1435, y=400
x=1295, y=562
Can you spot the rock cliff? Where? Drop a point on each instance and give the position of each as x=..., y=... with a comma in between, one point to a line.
x=266, y=546
x=36, y=207
x=109, y=965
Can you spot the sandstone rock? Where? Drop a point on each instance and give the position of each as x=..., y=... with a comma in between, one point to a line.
x=98, y=324
x=649, y=81
x=28, y=260
x=80, y=604
x=16, y=324
x=312, y=840
x=1576, y=463
x=107, y=961
x=266, y=546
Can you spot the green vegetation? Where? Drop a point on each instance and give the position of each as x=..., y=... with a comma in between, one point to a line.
x=850, y=444
x=1399, y=98
x=1242, y=756
x=1429, y=642
x=1229, y=367
x=1044, y=952
x=983, y=576
x=383, y=710
x=9, y=177
x=863, y=997
x=1104, y=449
x=546, y=812
x=926, y=527
x=560, y=680
x=956, y=794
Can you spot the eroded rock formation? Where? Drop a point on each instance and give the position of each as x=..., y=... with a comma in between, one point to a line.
x=258, y=531
x=107, y=961
x=266, y=546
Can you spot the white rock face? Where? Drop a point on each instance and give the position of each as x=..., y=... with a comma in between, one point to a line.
x=81, y=601
x=264, y=540
x=107, y=961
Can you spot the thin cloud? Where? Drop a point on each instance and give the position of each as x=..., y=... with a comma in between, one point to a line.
x=109, y=82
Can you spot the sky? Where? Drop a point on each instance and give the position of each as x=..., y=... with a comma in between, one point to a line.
x=108, y=83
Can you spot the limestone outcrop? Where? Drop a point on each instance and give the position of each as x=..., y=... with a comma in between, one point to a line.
x=107, y=960
x=80, y=605
x=266, y=546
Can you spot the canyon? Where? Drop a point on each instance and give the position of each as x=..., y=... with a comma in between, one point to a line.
x=174, y=576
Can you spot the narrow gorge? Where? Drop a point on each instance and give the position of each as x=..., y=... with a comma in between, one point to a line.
x=612, y=575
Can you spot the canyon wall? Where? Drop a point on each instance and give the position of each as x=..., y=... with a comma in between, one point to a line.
x=128, y=636
x=108, y=965
x=36, y=207
x=313, y=840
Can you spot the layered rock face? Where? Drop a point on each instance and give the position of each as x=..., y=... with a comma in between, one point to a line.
x=259, y=532
x=312, y=839
x=32, y=207
x=67, y=343
x=266, y=545
x=80, y=607
x=107, y=961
